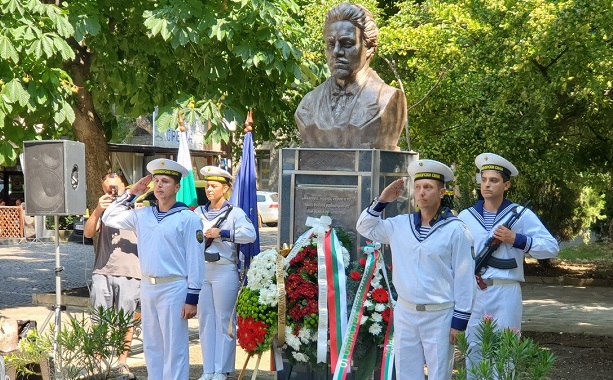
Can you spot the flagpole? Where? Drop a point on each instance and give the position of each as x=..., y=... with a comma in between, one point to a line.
x=245, y=192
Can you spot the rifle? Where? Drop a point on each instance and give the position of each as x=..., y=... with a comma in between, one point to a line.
x=218, y=224
x=485, y=258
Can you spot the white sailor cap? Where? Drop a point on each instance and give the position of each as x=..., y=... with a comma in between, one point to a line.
x=166, y=166
x=491, y=161
x=430, y=169
x=214, y=173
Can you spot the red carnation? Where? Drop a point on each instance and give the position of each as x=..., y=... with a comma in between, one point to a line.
x=362, y=261
x=380, y=295
x=387, y=314
x=250, y=333
x=298, y=258
x=355, y=275
x=310, y=266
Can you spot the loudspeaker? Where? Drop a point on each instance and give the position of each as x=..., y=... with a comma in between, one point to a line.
x=54, y=172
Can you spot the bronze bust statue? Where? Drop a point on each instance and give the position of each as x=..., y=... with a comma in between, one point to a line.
x=353, y=108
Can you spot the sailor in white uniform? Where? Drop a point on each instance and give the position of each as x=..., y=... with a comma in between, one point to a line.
x=171, y=257
x=433, y=272
x=499, y=293
x=224, y=227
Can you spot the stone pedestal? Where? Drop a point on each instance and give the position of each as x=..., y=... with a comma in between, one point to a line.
x=339, y=183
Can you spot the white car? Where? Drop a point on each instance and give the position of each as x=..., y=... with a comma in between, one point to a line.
x=268, y=208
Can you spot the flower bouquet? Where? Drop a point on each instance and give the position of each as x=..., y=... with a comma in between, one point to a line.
x=315, y=283
x=376, y=315
x=302, y=306
x=256, y=307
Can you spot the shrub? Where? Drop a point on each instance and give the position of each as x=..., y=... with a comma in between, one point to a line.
x=505, y=355
x=88, y=346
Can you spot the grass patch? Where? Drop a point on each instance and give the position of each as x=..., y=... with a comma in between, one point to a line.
x=594, y=252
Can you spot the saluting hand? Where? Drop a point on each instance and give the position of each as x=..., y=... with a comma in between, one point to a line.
x=392, y=191
x=141, y=186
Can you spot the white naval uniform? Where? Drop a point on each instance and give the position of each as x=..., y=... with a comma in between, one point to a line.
x=170, y=247
x=504, y=301
x=437, y=271
x=220, y=289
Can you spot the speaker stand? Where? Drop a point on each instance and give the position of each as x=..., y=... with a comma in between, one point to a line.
x=31, y=241
x=38, y=226
x=58, y=308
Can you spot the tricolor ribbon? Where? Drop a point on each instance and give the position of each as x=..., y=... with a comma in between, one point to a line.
x=332, y=288
x=387, y=360
x=344, y=362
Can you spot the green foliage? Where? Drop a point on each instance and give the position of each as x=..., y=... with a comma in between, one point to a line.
x=597, y=253
x=505, y=355
x=35, y=90
x=65, y=222
x=513, y=80
x=227, y=57
x=89, y=344
x=33, y=348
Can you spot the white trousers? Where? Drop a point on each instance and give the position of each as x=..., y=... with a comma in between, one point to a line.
x=503, y=303
x=165, y=333
x=215, y=306
x=422, y=337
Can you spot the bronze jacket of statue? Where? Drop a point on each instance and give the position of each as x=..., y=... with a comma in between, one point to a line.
x=368, y=114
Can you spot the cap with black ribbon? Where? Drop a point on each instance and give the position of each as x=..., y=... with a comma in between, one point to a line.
x=165, y=166
x=214, y=173
x=430, y=169
x=491, y=161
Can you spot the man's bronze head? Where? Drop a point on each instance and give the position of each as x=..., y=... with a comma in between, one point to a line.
x=351, y=37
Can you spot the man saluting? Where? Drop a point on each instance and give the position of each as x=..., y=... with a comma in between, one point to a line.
x=433, y=272
x=172, y=267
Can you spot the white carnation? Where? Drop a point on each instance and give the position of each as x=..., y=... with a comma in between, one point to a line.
x=380, y=307
x=305, y=335
x=346, y=256
x=376, y=317
x=363, y=320
x=368, y=304
x=375, y=329
x=269, y=295
x=299, y=356
x=291, y=339
x=262, y=270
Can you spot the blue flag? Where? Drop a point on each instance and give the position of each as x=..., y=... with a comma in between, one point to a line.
x=244, y=195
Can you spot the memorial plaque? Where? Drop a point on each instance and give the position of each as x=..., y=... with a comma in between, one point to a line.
x=339, y=204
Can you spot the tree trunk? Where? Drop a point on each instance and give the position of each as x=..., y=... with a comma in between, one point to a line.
x=88, y=127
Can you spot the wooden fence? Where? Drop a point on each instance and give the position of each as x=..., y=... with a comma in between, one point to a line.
x=11, y=222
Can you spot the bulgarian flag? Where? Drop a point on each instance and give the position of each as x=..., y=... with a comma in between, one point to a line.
x=187, y=192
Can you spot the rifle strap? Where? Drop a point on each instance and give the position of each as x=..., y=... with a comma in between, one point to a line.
x=218, y=224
